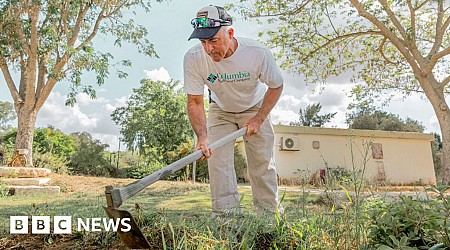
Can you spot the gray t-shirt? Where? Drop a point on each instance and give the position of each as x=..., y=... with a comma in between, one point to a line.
x=238, y=82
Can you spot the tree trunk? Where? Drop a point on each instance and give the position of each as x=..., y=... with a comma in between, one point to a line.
x=444, y=121
x=25, y=131
x=442, y=111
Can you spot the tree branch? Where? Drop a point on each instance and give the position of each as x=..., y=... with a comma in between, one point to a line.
x=412, y=13
x=438, y=32
x=339, y=38
x=42, y=74
x=64, y=14
x=300, y=8
x=76, y=28
x=435, y=58
x=445, y=81
x=380, y=49
x=100, y=17
x=94, y=31
x=30, y=83
x=394, y=20
x=295, y=11
x=422, y=4
x=51, y=82
x=413, y=43
x=9, y=81
x=18, y=27
x=397, y=42
x=434, y=55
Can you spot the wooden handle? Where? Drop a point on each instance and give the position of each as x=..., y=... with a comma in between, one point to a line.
x=116, y=196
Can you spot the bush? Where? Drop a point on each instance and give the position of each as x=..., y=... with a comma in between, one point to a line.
x=88, y=158
x=201, y=173
x=409, y=223
x=57, y=164
x=141, y=171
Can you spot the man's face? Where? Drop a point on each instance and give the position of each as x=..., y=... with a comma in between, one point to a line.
x=220, y=46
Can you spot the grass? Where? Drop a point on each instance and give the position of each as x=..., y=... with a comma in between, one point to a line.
x=176, y=200
x=176, y=215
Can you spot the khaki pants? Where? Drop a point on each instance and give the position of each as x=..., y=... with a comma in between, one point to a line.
x=261, y=165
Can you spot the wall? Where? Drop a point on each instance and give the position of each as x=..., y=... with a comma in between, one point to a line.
x=406, y=157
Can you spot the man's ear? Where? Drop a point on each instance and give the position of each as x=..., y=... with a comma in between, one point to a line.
x=231, y=32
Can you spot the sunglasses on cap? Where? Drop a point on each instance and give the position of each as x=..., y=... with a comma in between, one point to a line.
x=203, y=22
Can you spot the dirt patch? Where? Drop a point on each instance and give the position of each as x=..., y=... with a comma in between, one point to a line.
x=61, y=241
x=74, y=183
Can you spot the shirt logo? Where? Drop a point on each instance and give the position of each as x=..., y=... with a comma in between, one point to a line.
x=224, y=77
x=212, y=78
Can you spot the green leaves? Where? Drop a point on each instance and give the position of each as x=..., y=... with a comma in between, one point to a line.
x=310, y=116
x=154, y=120
x=409, y=223
x=7, y=114
x=368, y=118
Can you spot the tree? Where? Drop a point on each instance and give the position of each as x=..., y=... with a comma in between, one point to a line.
x=48, y=41
x=88, y=158
x=51, y=140
x=387, y=44
x=381, y=120
x=46, y=140
x=6, y=115
x=154, y=120
x=310, y=116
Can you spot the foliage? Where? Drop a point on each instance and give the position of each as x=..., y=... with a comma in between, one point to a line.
x=45, y=42
x=436, y=150
x=7, y=114
x=51, y=140
x=52, y=148
x=64, y=31
x=7, y=143
x=411, y=223
x=176, y=215
x=184, y=149
x=57, y=164
x=310, y=116
x=141, y=170
x=388, y=47
x=4, y=189
x=319, y=39
x=88, y=158
x=201, y=173
x=154, y=120
x=381, y=120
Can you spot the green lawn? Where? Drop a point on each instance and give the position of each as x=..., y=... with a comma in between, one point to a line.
x=176, y=215
x=182, y=198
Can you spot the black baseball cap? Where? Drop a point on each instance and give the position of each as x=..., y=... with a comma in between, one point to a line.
x=208, y=22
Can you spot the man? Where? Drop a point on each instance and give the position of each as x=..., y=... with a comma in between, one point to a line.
x=244, y=83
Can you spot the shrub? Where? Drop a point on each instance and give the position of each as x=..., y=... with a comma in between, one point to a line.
x=89, y=158
x=140, y=171
x=57, y=164
x=408, y=222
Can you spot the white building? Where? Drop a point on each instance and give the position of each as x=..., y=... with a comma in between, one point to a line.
x=385, y=156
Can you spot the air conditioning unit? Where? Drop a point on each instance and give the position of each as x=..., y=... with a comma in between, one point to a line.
x=289, y=143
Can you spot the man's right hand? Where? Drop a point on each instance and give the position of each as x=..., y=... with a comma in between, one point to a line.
x=203, y=146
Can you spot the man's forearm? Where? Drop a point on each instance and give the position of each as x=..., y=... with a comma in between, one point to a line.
x=197, y=118
x=270, y=99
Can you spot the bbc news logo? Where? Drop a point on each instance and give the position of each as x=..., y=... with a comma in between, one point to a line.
x=63, y=224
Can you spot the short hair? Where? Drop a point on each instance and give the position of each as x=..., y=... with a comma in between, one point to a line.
x=225, y=29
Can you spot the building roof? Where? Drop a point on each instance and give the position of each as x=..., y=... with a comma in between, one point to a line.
x=352, y=132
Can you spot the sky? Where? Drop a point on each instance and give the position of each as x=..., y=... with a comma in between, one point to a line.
x=169, y=27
